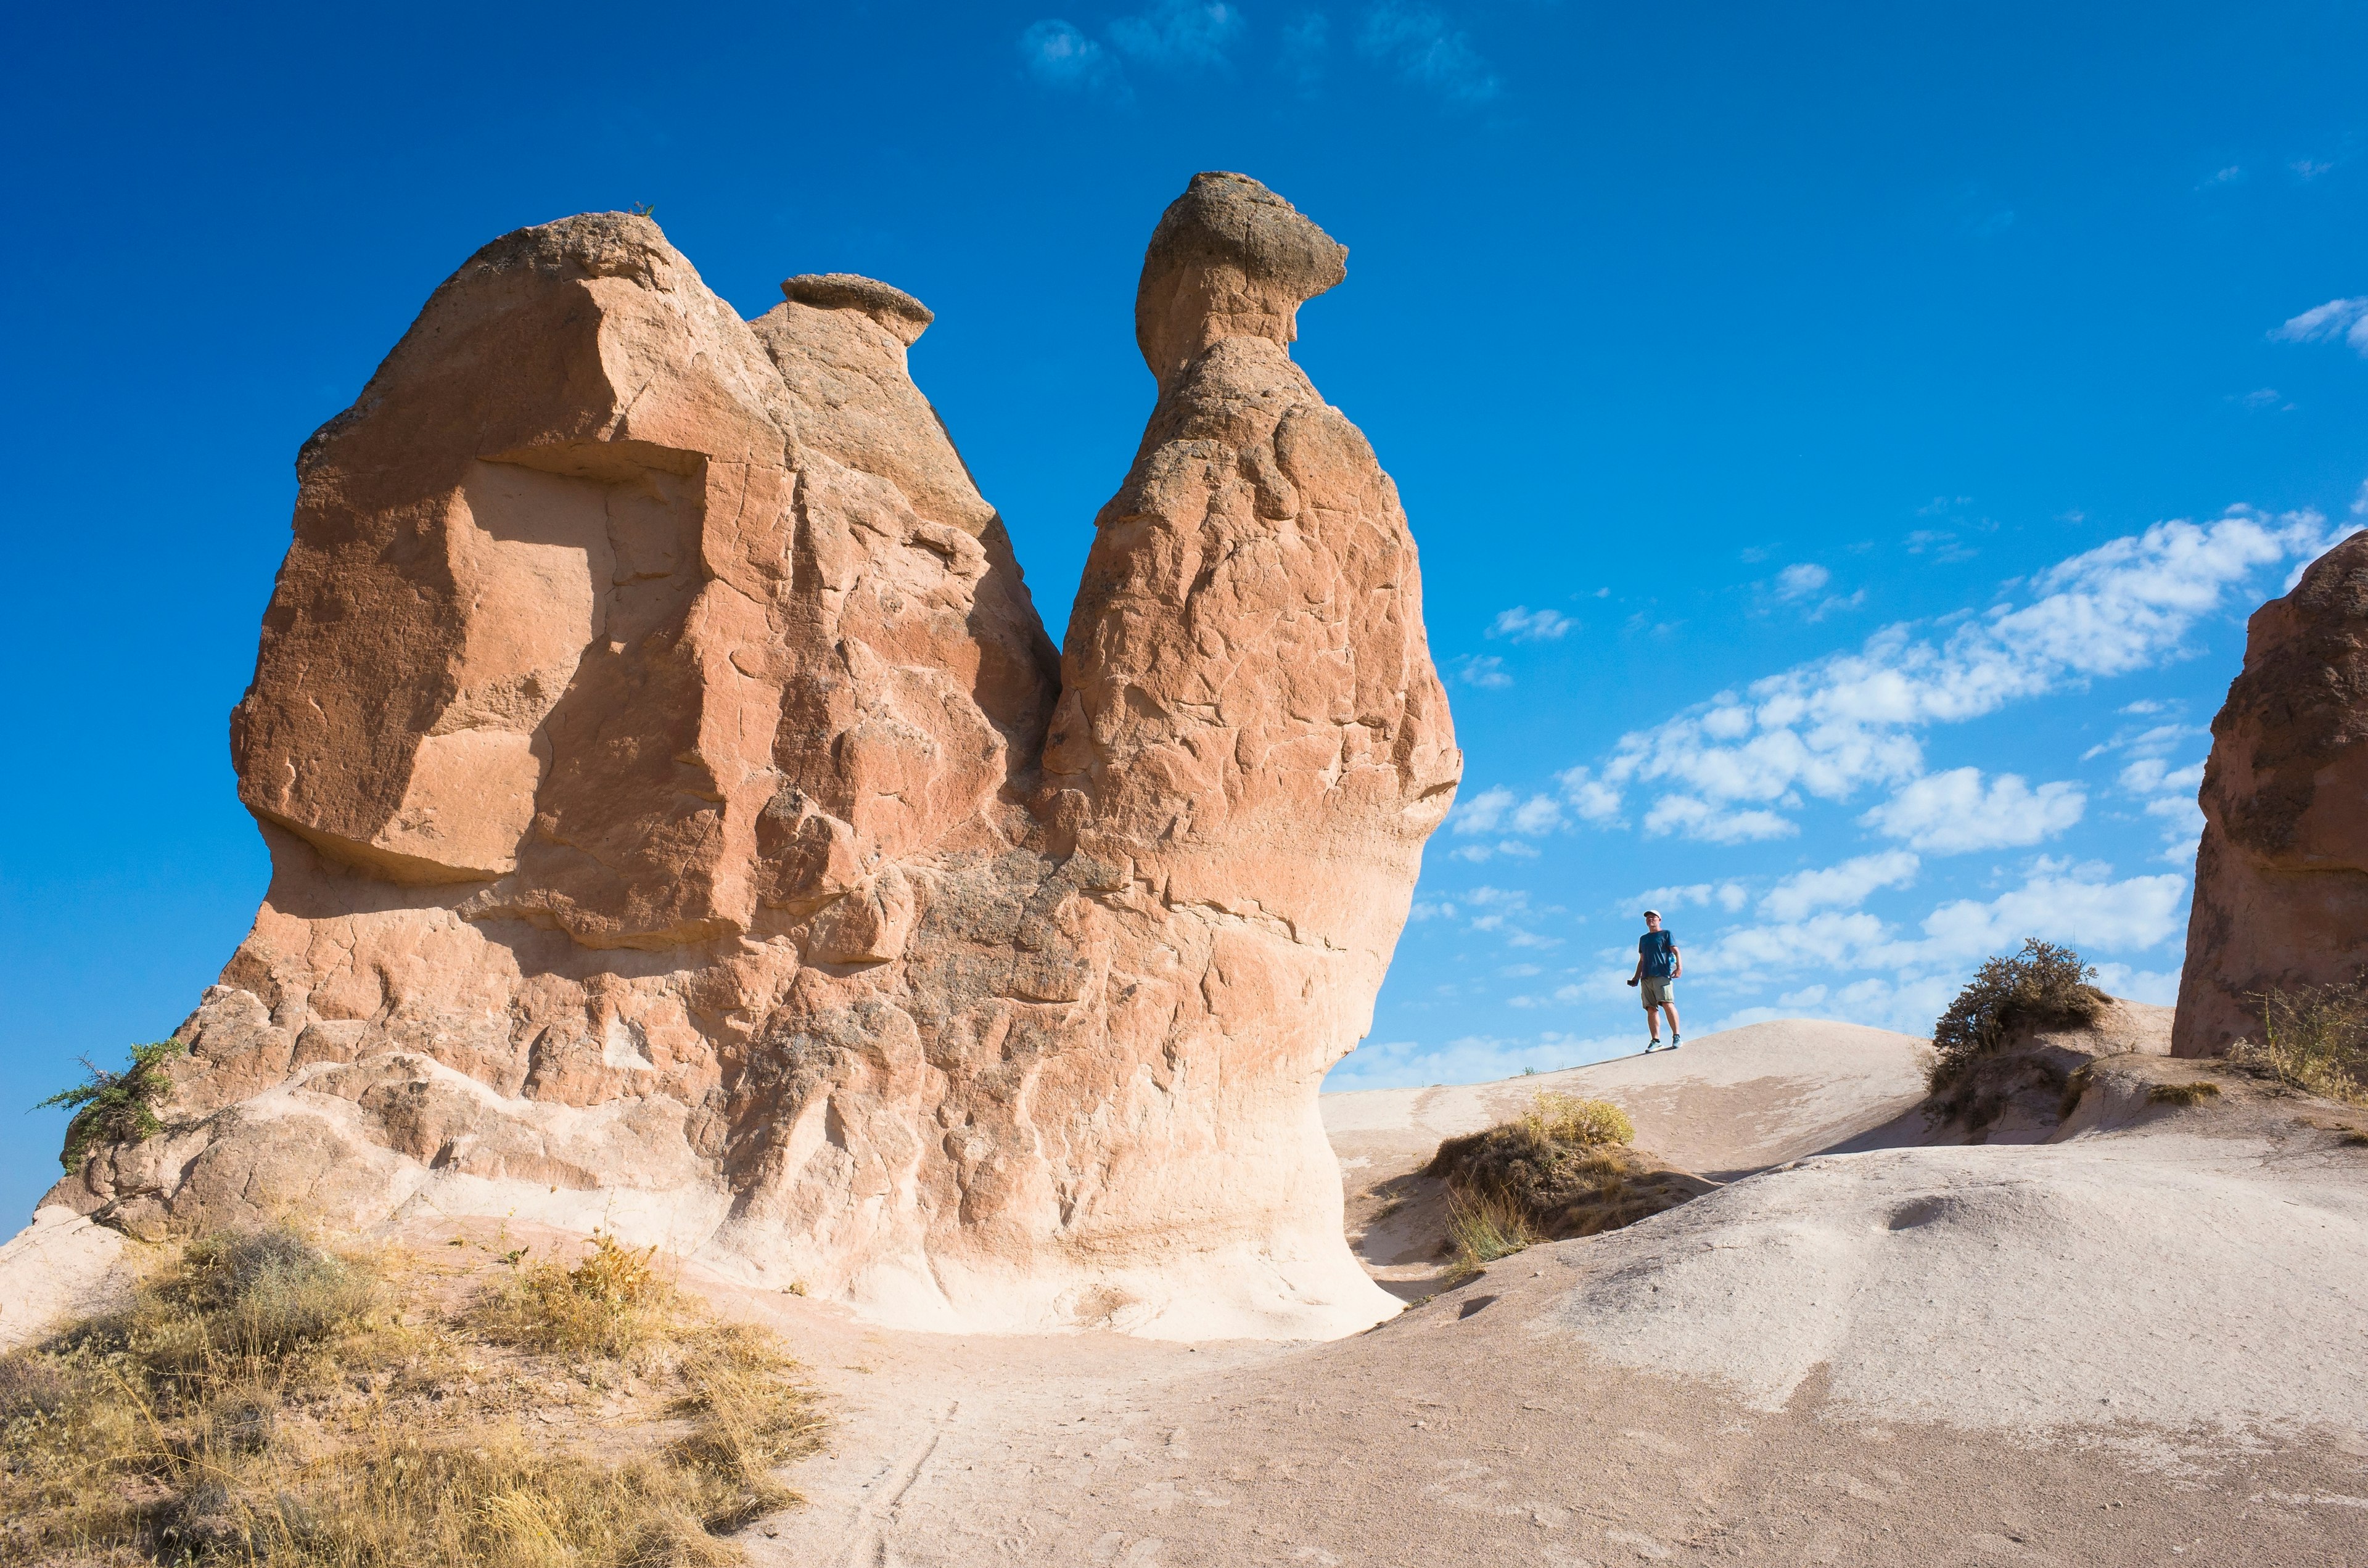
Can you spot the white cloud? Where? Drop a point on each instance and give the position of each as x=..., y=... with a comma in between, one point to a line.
x=1176, y=33
x=1482, y=812
x=2062, y=902
x=1592, y=799
x=1950, y=813
x=1468, y=1059
x=1699, y=818
x=1418, y=42
x=2159, y=986
x=1487, y=673
x=2080, y=905
x=1538, y=814
x=1523, y=624
x=1498, y=808
x=2149, y=775
x=1834, y=725
x=1729, y=896
x=2346, y=319
x=2228, y=176
x=1799, y=581
x=1845, y=886
x=1058, y=55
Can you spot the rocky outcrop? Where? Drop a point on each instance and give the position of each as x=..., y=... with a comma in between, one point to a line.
x=2282, y=874
x=680, y=822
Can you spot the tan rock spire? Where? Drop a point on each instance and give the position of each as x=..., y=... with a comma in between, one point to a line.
x=2282, y=874
x=670, y=827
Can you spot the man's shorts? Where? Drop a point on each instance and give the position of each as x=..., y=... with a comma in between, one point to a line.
x=1659, y=989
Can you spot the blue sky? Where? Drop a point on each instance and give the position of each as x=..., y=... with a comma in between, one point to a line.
x=1822, y=426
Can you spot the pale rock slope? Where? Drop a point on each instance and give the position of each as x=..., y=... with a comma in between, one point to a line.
x=681, y=823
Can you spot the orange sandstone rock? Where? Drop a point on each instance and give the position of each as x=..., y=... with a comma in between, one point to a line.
x=2282, y=874
x=679, y=820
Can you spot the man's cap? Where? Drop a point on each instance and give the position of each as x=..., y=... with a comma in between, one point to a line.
x=1652, y=914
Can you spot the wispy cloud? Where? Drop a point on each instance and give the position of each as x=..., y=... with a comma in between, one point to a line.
x=1485, y=671
x=1799, y=581
x=1306, y=44
x=1523, y=624
x=2231, y=174
x=1419, y=43
x=1059, y=56
x=2309, y=168
x=1179, y=34
x=2056, y=900
x=1835, y=725
x=2346, y=319
x=1500, y=811
x=1845, y=886
x=1951, y=813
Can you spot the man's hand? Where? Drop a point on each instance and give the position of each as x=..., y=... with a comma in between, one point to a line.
x=1632, y=980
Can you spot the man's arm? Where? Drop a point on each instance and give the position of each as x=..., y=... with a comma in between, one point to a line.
x=1677, y=960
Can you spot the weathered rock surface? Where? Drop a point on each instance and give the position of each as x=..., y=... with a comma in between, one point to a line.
x=679, y=820
x=2282, y=874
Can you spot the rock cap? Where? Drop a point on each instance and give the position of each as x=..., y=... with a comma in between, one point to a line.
x=883, y=303
x=1229, y=258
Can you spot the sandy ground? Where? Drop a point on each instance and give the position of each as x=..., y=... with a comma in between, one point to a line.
x=2141, y=1342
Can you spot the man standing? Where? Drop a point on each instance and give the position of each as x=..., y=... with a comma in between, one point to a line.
x=1657, y=967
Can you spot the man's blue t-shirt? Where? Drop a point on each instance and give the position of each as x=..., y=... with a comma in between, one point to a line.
x=1659, y=950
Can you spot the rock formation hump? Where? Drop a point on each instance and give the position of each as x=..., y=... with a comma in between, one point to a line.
x=1229, y=258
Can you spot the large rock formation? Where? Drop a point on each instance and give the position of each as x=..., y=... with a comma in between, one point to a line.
x=2282, y=874
x=680, y=821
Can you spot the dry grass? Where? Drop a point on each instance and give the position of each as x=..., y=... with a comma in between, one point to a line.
x=1562, y=1168
x=1483, y=1228
x=265, y=1400
x=2192, y=1094
x=2315, y=1038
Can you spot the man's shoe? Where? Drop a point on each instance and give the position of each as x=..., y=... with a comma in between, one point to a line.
x=1673, y=1042
x=1654, y=1046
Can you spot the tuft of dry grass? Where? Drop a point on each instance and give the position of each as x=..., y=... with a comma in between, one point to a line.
x=1483, y=1228
x=265, y=1400
x=2314, y=1038
x=1561, y=1168
x=2192, y=1094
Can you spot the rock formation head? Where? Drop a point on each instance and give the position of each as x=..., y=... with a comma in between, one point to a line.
x=1229, y=258
x=2282, y=870
x=670, y=827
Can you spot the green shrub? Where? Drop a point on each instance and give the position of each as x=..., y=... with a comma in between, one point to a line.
x=116, y=1107
x=2315, y=1038
x=2043, y=986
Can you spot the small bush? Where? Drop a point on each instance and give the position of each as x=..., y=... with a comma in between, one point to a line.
x=116, y=1107
x=1565, y=1118
x=2183, y=1094
x=2315, y=1038
x=1561, y=1168
x=611, y=1304
x=2043, y=986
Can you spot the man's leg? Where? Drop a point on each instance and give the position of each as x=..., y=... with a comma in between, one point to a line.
x=1671, y=1008
x=1652, y=1017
